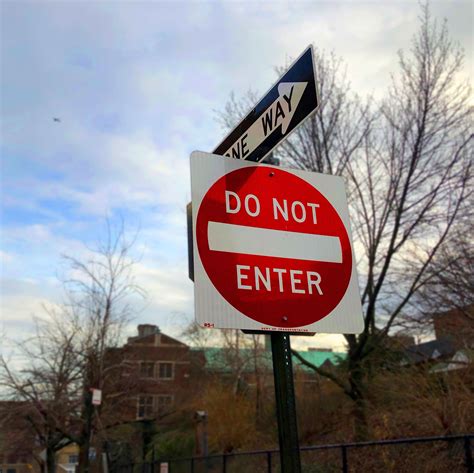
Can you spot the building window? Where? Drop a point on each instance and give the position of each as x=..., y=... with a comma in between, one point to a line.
x=165, y=370
x=73, y=459
x=164, y=403
x=146, y=369
x=145, y=406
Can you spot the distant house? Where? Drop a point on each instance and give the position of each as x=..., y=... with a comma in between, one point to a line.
x=67, y=459
x=453, y=347
x=429, y=352
x=460, y=360
x=441, y=355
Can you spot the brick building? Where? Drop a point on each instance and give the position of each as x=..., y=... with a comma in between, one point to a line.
x=167, y=369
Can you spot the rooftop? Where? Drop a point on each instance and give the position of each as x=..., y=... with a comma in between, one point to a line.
x=431, y=350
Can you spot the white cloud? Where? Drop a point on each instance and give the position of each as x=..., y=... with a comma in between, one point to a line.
x=167, y=287
x=20, y=301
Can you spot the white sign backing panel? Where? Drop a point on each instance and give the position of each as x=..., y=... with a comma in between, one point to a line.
x=272, y=249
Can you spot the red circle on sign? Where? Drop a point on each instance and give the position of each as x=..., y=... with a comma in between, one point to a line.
x=273, y=290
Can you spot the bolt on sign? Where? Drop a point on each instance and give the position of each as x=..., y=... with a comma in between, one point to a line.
x=272, y=248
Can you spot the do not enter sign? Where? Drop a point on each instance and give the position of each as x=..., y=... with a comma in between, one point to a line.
x=272, y=249
x=281, y=242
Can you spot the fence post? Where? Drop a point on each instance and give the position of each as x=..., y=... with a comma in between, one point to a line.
x=192, y=465
x=344, y=459
x=269, y=462
x=224, y=463
x=468, y=454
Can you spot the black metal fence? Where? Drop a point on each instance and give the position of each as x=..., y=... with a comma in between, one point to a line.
x=450, y=454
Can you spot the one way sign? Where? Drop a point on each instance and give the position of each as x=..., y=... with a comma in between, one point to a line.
x=291, y=100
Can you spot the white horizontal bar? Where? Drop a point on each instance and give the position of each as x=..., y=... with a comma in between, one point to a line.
x=268, y=242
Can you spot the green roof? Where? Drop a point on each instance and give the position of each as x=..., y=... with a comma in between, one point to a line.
x=221, y=359
x=319, y=357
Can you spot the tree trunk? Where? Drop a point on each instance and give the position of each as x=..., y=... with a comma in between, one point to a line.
x=361, y=424
x=83, y=466
x=86, y=435
x=359, y=389
x=50, y=460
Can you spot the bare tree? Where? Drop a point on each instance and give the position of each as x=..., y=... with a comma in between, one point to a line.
x=100, y=290
x=446, y=300
x=199, y=337
x=451, y=281
x=241, y=356
x=408, y=168
x=71, y=353
x=409, y=183
x=44, y=392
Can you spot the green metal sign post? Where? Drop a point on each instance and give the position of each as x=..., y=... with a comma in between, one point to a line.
x=285, y=403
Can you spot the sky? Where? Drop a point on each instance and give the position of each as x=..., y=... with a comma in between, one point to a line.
x=137, y=86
